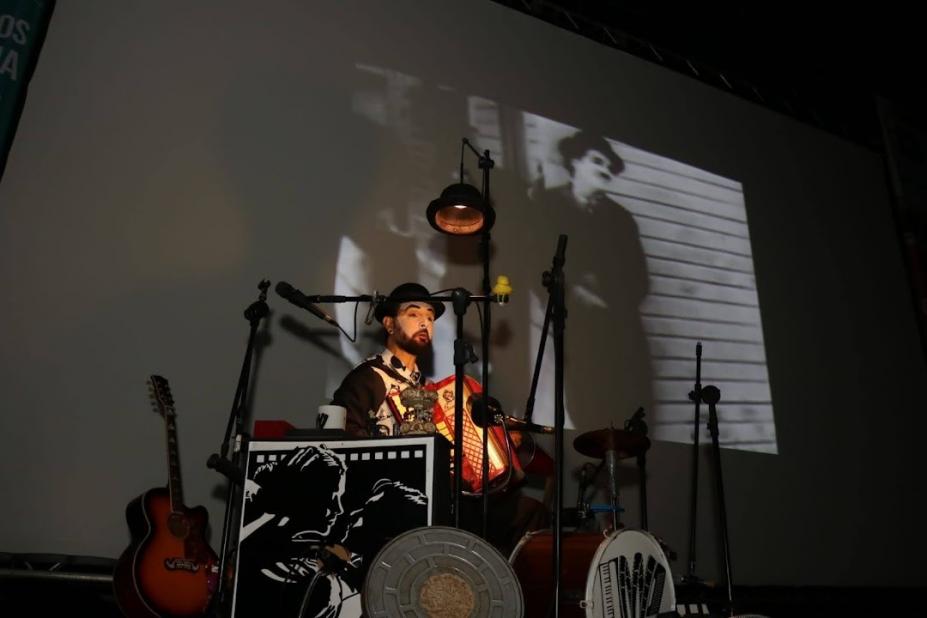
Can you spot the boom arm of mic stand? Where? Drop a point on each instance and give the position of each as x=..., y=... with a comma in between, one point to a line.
x=529, y=406
x=559, y=259
x=363, y=298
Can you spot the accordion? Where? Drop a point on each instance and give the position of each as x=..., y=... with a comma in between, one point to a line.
x=503, y=463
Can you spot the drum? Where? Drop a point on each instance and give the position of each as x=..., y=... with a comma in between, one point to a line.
x=440, y=571
x=532, y=561
x=621, y=574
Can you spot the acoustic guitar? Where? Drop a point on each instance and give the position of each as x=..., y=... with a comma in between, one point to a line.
x=168, y=570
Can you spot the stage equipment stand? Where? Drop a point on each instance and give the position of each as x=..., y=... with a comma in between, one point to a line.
x=555, y=312
x=485, y=164
x=466, y=198
x=555, y=285
x=696, y=397
x=711, y=395
x=232, y=466
x=637, y=424
x=463, y=353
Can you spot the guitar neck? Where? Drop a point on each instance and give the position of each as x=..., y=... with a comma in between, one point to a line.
x=174, y=485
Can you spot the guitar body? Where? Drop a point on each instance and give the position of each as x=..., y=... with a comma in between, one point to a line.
x=168, y=571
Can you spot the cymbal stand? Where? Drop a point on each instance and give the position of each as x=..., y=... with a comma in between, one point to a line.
x=587, y=476
x=611, y=464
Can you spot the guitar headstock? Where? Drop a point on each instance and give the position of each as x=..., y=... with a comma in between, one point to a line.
x=161, y=397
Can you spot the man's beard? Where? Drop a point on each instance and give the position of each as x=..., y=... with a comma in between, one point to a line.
x=413, y=346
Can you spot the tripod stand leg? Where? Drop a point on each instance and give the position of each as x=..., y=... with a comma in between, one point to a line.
x=722, y=507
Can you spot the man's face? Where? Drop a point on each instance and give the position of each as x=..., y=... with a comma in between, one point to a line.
x=592, y=170
x=314, y=518
x=412, y=328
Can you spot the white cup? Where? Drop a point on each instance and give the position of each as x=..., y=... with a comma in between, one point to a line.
x=331, y=417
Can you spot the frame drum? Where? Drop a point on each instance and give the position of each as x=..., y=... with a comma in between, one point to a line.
x=441, y=571
x=621, y=574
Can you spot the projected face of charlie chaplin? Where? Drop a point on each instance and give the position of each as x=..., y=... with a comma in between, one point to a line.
x=592, y=172
x=412, y=327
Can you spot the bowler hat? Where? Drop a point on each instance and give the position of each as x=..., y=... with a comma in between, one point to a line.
x=403, y=293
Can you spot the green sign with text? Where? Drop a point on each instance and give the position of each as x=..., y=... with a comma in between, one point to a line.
x=23, y=24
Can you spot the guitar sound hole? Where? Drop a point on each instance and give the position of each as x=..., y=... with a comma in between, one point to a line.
x=178, y=525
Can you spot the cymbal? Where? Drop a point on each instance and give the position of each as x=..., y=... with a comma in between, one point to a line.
x=625, y=443
x=520, y=424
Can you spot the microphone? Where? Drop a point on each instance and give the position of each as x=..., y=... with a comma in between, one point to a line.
x=478, y=412
x=287, y=291
x=711, y=394
x=502, y=289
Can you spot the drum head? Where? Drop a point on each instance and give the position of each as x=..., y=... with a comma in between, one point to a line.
x=440, y=571
x=629, y=576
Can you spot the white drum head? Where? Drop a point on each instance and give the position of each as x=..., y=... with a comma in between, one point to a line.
x=629, y=578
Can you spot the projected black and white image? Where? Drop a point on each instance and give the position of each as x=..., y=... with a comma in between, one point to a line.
x=695, y=284
x=658, y=260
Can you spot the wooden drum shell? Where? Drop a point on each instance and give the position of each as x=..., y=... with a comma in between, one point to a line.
x=532, y=561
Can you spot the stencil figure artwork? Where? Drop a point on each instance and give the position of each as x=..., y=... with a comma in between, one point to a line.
x=315, y=516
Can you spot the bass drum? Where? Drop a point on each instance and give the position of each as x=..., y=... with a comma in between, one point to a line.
x=622, y=574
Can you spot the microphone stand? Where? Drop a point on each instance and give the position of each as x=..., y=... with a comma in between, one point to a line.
x=485, y=164
x=463, y=353
x=555, y=285
x=636, y=424
x=232, y=467
x=556, y=312
x=711, y=395
x=695, y=396
x=529, y=406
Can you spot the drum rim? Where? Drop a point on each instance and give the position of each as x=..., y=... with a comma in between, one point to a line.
x=532, y=533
